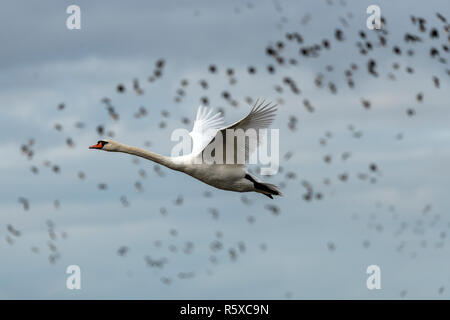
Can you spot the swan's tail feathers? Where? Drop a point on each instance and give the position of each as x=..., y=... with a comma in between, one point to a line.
x=267, y=189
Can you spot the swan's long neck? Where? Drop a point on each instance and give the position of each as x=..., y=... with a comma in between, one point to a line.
x=152, y=156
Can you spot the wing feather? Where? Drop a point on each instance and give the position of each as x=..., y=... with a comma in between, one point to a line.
x=261, y=116
x=205, y=128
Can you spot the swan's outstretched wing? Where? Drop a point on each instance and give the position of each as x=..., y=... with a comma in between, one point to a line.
x=260, y=117
x=205, y=128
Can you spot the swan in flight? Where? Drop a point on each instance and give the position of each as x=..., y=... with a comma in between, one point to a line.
x=207, y=128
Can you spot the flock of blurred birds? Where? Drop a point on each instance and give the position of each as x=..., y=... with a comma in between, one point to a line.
x=433, y=32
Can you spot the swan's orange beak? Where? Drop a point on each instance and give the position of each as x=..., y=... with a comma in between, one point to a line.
x=96, y=146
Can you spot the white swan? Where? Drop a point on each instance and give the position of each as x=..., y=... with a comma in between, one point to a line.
x=207, y=127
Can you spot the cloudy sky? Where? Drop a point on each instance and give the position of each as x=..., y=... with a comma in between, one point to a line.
x=396, y=216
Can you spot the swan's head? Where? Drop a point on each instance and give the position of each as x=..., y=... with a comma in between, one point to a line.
x=106, y=145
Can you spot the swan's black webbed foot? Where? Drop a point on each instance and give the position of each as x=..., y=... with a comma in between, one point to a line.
x=259, y=186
